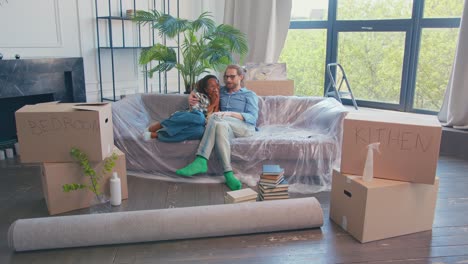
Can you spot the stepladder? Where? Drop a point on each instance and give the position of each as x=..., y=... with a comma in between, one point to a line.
x=338, y=85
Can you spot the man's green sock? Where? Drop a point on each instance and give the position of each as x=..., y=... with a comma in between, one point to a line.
x=232, y=182
x=199, y=165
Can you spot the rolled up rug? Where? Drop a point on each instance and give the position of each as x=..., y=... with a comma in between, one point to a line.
x=164, y=224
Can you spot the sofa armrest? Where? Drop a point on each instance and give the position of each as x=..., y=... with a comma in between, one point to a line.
x=325, y=116
x=129, y=116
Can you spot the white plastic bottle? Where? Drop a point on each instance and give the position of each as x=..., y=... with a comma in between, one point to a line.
x=368, y=173
x=115, y=190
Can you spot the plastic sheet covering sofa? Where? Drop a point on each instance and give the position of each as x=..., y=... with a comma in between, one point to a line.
x=301, y=134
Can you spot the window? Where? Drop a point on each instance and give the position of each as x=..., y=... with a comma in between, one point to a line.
x=443, y=9
x=306, y=10
x=304, y=55
x=397, y=54
x=373, y=61
x=374, y=10
x=436, y=57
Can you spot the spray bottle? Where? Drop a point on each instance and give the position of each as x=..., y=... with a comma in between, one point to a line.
x=368, y=173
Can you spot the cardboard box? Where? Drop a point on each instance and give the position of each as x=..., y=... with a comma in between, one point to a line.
x=271, y=87
x=47, y=132
x=381, y=208
x=55, y=175
x=409, y=145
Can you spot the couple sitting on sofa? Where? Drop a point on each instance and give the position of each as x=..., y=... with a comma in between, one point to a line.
x=237, y=118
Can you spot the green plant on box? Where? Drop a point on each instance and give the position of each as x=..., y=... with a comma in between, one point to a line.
x=88, y=171
x=203, y=45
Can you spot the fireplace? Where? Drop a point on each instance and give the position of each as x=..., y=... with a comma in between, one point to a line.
x=32, y=81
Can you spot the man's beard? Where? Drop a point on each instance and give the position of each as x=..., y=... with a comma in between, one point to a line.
x=231, y=85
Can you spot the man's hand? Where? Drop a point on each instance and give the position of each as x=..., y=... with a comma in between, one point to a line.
x=220, y=114
x=193, y=99
x=231, y=114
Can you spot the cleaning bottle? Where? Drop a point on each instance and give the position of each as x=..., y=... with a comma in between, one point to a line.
x=115, y=190
x=368, y=173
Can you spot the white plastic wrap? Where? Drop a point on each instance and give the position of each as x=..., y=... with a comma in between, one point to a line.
x=301, y=134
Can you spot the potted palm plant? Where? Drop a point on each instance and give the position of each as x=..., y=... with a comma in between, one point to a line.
x=203, y=45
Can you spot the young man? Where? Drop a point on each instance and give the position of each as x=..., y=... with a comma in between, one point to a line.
x=238, y=118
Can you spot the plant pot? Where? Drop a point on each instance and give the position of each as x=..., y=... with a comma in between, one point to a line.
x=100, y=204
x=189, y=88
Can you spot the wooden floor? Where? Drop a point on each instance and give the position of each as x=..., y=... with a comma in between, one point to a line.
x=21, y=197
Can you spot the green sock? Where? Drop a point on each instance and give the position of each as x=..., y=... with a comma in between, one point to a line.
x=199, y=165
x=232, y=182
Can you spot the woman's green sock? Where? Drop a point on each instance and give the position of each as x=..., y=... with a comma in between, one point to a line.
x=232, y=182
x=199, y=165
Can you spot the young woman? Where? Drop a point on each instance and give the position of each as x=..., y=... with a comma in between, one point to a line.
x=190, y=124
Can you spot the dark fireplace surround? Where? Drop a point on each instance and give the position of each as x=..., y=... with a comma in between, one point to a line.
x=31, y=81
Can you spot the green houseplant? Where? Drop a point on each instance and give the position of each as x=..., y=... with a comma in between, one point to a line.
x=88, y=171
x=203, y=45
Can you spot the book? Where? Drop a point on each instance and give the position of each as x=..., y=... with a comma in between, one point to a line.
x=269, y=190
x=278, y=197
x=228, y=200
x=272, y=181
x=271, y=169
x=242, y=195
x=268, y=185
x=272, y=177
x=275, y=194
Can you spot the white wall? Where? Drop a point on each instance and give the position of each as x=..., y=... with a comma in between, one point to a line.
x=42, y=28
x=67, y=28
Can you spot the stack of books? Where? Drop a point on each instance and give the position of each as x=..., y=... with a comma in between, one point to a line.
x=273, y=185
x=240, y=196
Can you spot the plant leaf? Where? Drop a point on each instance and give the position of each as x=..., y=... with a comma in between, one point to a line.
x=144, y=17
x=204, y=22
x=171, y=26
x=202, y=45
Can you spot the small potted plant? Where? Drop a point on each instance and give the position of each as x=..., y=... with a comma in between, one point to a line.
x=203, y=45
x=94, y=177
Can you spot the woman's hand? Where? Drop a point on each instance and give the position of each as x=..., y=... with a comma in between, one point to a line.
x=193, y=99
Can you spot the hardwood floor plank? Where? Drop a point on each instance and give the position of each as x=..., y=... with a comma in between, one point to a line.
x=441, y=260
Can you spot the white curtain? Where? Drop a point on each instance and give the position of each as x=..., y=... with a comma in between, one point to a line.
x=454, y=110
x=266, y=24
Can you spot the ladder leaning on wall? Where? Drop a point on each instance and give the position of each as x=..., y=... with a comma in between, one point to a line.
x=334, y=90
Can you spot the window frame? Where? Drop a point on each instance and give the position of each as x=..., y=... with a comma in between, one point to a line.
x=413, y=29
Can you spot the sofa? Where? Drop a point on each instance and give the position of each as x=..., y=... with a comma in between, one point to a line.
x=301, y=134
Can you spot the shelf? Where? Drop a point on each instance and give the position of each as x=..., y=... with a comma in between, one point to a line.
x=130, y=47
x=120, y=22
x=114, y=18
x=110, y=99
x=124, y=47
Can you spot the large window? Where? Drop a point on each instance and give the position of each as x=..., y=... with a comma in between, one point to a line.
x=373, y=9
x=306, y=61
x=397, y=54
x=373, y=60
x=437, y=51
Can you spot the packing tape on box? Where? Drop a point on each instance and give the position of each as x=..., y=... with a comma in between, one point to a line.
x=164, y=224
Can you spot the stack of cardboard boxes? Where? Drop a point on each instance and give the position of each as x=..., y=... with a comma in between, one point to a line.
x=46, y=134
x=402, y=196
